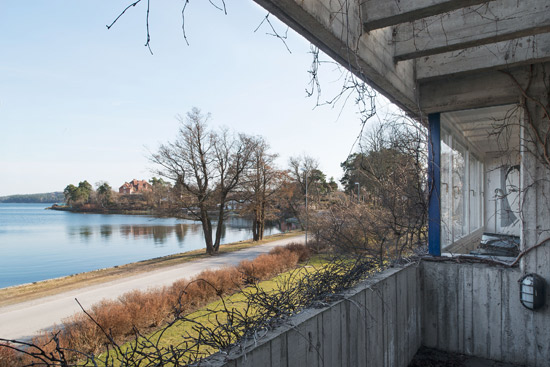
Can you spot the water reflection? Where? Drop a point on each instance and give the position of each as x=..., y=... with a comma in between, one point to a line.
x=161, y=234
x=223, y=233
x=183, y=229
x=158, y=233
x=106, y=231
x=238, y=222
x=64, y=243
x=86, y=232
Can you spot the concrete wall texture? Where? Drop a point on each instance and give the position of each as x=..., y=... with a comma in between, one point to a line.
x=378, y=323
x=472, y=309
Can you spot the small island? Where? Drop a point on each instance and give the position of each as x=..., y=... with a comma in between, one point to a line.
x=137, y=197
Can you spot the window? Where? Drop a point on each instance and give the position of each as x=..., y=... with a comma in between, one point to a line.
x=461, y=193
x=445, y=189
x=475, y=194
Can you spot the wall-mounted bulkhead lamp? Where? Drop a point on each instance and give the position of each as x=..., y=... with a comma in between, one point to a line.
x=532, y=291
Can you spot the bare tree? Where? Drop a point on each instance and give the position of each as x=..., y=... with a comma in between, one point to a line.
x=262, y=188
x=300, y=181
x=205, y=167
x=392, y=165
x=389, y=214
x=232, y=157
x=305, y=177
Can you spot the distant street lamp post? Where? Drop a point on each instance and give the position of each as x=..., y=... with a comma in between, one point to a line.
x=358, y=192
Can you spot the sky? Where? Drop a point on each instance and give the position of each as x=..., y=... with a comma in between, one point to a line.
x=81, y=102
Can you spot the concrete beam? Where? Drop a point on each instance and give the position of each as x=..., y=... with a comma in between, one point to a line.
x=495, y=21
x=469, y=91
x=480, y=136
x=481, y=129
x=501, y=55
x=340, y=35
x=483, y=89
x=383, y=13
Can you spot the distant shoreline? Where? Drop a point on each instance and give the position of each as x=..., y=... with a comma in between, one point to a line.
x=160, y=213
x=42, y=198
x=122, y=211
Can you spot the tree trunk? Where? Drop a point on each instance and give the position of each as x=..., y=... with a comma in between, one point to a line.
x=207, y=230
x=261, y=222
x=261, y=231
x=221, y=213
x=255, y=229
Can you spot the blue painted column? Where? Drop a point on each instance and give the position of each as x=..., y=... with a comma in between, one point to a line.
x=434, y=184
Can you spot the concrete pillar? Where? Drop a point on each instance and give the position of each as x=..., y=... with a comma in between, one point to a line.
x=434, y=183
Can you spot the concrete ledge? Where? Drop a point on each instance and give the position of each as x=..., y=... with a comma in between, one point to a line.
x=377, y=323
x=474, y=309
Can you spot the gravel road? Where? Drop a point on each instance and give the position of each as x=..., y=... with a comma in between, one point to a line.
x=23, y=320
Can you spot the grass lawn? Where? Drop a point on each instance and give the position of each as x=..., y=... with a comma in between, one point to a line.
x=210, y=316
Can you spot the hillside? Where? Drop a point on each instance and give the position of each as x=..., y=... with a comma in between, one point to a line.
x=48, y=197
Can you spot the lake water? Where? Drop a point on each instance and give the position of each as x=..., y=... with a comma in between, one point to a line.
x=38, y=244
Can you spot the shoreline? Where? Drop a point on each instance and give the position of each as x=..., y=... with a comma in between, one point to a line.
x=146, y=212
x=25, y=319
x=30, y=291
x=158, y=213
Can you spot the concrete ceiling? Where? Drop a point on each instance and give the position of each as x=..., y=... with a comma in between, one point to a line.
x=428, y=55
x=490, y=131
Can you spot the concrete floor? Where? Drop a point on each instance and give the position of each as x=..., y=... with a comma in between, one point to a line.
x=427, y=357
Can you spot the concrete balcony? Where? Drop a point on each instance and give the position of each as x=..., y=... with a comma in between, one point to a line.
x=471, y=308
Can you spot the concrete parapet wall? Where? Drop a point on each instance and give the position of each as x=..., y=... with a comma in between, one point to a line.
x=474, y=309
x=378, y=323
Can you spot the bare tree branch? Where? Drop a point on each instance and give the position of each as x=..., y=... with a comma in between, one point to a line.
x=274, y=32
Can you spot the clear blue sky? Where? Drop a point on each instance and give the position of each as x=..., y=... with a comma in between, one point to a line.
x=78, y=101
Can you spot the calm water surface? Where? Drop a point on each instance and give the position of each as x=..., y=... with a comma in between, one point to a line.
x=38, y=244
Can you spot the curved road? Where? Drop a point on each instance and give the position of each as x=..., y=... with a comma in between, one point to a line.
x=23, y=320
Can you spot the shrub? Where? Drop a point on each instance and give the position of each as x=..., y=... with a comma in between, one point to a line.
x=147, y=309
x=8, y=356
x=44, y=346
x=80, y=333
x=267, y=265
x=150, y=309
x=304, y=253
